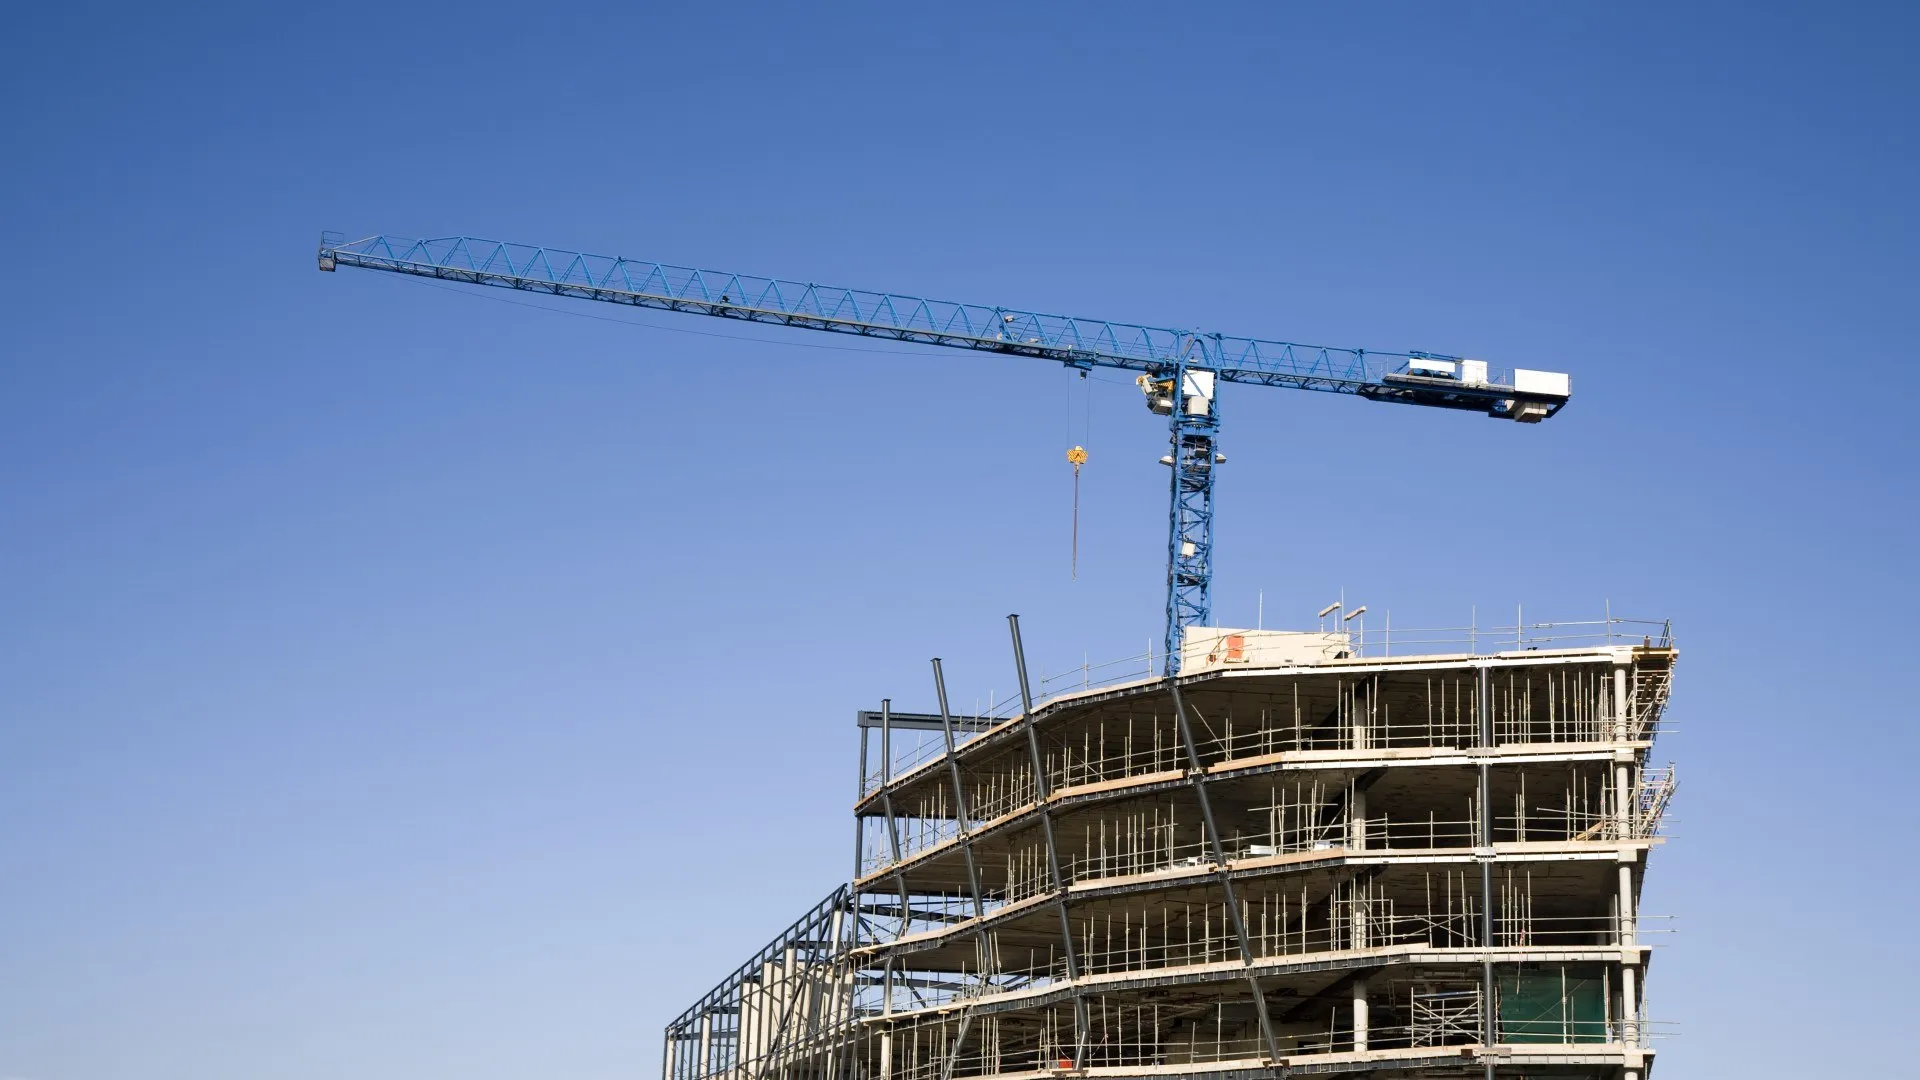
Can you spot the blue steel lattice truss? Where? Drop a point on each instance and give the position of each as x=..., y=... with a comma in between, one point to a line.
x=1159, y=353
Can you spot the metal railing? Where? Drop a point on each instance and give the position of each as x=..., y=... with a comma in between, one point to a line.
x=1471, y=639
x=1389, y=643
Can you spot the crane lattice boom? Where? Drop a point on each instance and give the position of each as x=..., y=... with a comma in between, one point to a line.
x=1178, y=368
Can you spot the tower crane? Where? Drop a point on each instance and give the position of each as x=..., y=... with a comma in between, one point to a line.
x=1179, y=371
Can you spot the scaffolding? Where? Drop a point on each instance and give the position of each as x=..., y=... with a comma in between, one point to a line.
x=1389, y=863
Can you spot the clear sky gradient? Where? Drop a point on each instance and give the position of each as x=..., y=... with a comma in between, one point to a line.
x=399, y=684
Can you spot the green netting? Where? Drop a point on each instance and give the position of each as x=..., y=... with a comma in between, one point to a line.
x=1553, y=1006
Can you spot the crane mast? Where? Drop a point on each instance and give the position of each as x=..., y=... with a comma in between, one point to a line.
x=1179, y=371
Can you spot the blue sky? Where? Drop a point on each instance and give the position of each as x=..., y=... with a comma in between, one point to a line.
x=398, y=683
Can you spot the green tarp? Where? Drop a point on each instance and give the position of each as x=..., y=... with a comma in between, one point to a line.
x=1556, y=1005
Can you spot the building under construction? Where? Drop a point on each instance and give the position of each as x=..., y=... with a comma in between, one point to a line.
x=1308, y=853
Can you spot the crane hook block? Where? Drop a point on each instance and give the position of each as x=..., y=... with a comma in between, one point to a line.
x=1077, y=456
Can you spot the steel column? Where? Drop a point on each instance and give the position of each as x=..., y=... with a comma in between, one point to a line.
x=953, y=1053
x=983, y=945
x=1196, y=774
x=859, y=822
x=1041, y=794
x=959, y=792
x=886, y=804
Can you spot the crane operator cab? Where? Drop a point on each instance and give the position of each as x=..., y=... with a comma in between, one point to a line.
x=1196, y=397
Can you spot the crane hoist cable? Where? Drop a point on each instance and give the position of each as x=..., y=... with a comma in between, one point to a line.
x=1077, y=457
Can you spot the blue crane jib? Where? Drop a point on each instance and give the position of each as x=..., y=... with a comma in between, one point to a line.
x=1179, y=370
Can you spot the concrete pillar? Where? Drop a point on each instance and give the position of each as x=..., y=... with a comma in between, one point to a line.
x=1630, y=1005
x=886, y=1055
x=1356, y=913
x=706, y=1045
x=1628, y=925
x=1359, y=1015
x=1622, y=801
x=1357, y=821
x=1620, y=704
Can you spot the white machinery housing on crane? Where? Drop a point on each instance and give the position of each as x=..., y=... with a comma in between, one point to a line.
x=1529, y=398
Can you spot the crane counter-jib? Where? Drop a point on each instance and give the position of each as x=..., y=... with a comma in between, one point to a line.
x=1178, y=368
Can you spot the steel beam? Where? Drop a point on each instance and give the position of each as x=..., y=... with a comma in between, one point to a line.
x=906, y=721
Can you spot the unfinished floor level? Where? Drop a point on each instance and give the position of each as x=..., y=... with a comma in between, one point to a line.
x=1297, y=857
